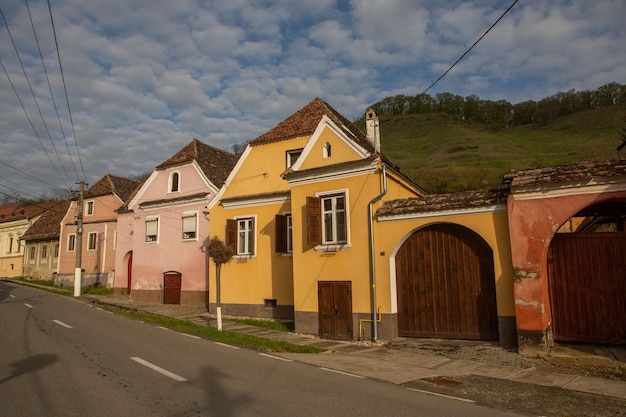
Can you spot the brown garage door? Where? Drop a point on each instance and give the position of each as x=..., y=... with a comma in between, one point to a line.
x=587, y=275
x=446, y=285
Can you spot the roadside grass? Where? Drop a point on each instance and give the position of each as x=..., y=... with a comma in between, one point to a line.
x=281, y=326
x=224, y=336
x=48, y=285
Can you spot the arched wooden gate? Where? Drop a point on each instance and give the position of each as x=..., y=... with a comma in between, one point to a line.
x=446, y=285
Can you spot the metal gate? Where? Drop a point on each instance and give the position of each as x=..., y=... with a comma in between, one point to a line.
x=587, y=276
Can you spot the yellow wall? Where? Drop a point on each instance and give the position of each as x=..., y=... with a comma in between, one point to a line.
x=340, y=151
x=492, y=227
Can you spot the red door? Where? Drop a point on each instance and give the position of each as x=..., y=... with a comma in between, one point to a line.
x=129, y=273
x=172, y=282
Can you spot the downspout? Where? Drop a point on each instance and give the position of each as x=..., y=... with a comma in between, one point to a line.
x=371, y=247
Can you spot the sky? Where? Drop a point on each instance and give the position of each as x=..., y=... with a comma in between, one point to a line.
x=145, y=77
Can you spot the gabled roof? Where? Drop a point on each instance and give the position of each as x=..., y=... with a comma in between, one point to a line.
x=48, y=226
x=305, y=121
x=215, y=163
x=441, y=202
x=20, y=211
x=564, y=173
x=112, y=184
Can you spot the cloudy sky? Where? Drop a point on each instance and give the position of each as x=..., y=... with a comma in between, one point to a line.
x=144, y=77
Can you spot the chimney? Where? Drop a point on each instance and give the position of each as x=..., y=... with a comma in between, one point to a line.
x=373, y=130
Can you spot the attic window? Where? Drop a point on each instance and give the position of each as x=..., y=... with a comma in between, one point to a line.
x=174, y=182
x=292, y=156
x=327, y=150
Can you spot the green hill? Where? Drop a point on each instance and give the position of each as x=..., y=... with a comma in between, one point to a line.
x=443, y=154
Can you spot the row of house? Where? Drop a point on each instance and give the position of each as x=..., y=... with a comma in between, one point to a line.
x=328, y=232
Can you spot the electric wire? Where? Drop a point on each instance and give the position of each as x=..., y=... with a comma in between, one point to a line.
x=33, y=177
x=56, y=109
x=56, y=42
x=43, y=120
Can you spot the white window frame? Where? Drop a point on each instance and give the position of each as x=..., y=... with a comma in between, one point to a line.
x=170, y=183
x=289, y=157
x=115, y=239
x=150, y=219
x=333, y=197
x=44, y=251
x=56, y=250
x=89, y=208
x=71, y=243
x=247, y=251
x=92, y=238
x=289, y=232
x=32, y=253
x=194, y=216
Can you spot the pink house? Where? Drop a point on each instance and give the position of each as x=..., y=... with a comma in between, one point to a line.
x=162, y=230
x=100, y=203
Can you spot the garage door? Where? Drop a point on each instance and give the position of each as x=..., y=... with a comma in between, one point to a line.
x=446, y=285
x=587, y=275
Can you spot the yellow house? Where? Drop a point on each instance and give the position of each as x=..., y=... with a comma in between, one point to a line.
x=297, y=209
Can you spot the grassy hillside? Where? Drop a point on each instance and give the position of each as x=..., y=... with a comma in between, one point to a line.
x=443, y=154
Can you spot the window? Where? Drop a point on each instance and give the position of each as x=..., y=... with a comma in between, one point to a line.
x=31, y=253
x=152, y=227
x=91, y=240
x=71, y=242
x=10, y=245
x=190, y=225
x=240, y=235
x=327, y=150
x=44, y=251
x=56, y=250
x=284, y=243
x=115, y=239
x=174, y=182
x=292, y=156
x=327, y=220
x=89, y=208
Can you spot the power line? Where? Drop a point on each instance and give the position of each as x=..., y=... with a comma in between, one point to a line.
x=56, y=42
x=33, y=177
x=459, y=59
x=34, y=97
x=43, y=64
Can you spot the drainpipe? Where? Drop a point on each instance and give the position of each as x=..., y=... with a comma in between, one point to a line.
x=371, y=247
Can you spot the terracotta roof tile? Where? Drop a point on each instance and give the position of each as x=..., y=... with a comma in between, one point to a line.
x=305, y=121
x=439, y=202
x=48, y=226
x=215, y=163
x=564, y=173
x=112, y=184
x=19, y=211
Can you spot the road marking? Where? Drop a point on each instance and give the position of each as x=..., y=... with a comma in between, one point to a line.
x=60, y=323
x=28, y=305
x=343, y=373
x=162, y=328
x=225, y=345
x=12, y=296
x=443, y=395
x=191, y=335
x=159, y=369
x=275, y=357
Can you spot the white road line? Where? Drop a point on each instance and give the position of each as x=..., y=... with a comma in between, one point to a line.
x=162, y=328
x=342, y=373
x=193, y=336
x=442, y=395
x=225, y=345
x=159, y=369
x=28, y=305
x=275, y=357
x=60, y=323
x=12, y=296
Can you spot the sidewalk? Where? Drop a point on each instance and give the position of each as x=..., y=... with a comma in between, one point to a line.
x=408, y=360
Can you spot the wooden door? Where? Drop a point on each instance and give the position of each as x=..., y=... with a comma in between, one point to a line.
x=335, y=309
x=172, y=283
x=129, y=272
x=587, y=279
x=446, y=285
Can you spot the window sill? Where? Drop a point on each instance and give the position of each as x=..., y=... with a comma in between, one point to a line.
x=287, y=255
x=336, y=247
x=244, y=257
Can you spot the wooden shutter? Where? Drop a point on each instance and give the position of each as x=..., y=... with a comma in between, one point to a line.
x=313, y=221
x=281, y=233
x=231, y=234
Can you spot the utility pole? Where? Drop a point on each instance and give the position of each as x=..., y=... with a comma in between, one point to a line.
x=78, y=272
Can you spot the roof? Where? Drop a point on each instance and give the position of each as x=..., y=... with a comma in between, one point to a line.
x=112, y=184
x=440, y=202
x=215, y=163
x=20, y=211
x=48, y=226
x=305, y=121
x=569, y=172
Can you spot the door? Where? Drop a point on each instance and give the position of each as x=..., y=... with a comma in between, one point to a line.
x=129, y=272
x=446, y=285
x=335, y=309
x=172, y=282
x=587, y=278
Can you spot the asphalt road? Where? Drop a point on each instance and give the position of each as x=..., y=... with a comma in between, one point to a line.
x=63, y=357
